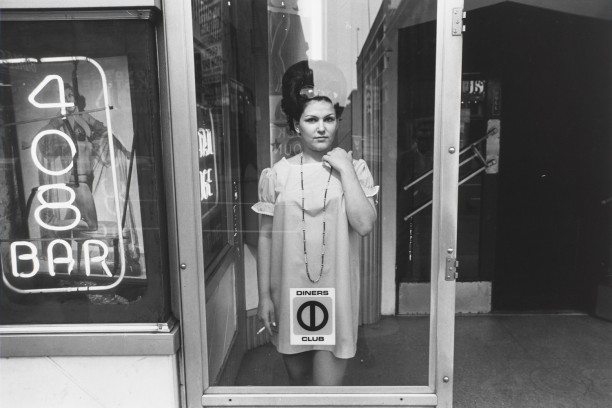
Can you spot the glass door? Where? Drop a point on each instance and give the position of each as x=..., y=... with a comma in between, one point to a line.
x=346, y=83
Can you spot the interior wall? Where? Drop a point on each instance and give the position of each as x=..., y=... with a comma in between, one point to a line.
x=221, y=320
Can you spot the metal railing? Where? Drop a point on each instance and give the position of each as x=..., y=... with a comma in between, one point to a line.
x=476, y=154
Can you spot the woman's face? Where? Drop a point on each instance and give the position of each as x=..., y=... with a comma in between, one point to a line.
x=317, y=126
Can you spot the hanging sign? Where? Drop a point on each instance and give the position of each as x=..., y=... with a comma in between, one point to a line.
x=207, y=153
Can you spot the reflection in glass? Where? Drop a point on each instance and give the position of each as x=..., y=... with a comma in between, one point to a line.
x=384, y=52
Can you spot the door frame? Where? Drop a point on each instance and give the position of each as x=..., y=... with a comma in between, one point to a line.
x=181, y=104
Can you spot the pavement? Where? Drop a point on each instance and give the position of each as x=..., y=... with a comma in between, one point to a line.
x=522, y=361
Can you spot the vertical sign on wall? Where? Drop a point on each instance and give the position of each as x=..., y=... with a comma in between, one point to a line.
x=207, y=161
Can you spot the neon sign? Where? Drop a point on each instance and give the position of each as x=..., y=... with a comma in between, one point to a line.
x=206, y=148
x=205, y=142
x=208, y=163
x=62, y=197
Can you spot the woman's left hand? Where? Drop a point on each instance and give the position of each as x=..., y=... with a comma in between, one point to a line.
x=340, y=160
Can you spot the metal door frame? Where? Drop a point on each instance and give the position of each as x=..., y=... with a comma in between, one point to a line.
x=181, y=104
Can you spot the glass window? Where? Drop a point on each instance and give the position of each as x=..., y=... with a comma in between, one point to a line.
x=81, y=198
x=215, y=164
x=374, y=62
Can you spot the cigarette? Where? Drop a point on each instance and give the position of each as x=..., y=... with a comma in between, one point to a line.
x=264, y=328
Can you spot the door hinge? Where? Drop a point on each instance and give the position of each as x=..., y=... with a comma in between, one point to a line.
x=457, y=21
x=451, y=269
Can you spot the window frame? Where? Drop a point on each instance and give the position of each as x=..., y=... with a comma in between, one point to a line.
x=98, y=339
x=439, y=390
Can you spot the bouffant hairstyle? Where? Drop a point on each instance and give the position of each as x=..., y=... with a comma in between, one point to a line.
x=325, y=79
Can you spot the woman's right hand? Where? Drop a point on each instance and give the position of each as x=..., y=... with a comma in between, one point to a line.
x=265, y=313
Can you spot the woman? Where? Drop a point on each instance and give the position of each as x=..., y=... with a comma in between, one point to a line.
x=314, y=207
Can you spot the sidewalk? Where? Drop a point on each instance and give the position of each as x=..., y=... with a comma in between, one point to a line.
x=522, y=361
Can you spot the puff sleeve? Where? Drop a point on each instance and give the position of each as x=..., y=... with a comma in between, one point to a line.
x=365, y=178
x=266, y=193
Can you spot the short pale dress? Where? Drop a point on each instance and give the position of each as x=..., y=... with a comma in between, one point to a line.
x=280, y=196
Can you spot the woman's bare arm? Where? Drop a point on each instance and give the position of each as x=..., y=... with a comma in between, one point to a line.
x=265, y=309
x=360, y=210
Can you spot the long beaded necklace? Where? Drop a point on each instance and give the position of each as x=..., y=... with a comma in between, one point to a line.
x=304, y=222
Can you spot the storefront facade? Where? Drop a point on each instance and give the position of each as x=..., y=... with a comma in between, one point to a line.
x=77, y=312
x=134, y=134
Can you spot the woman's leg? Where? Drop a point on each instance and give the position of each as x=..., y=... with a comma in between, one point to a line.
x=299, y=367
x=327, y=368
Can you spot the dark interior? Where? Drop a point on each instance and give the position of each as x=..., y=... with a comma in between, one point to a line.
x=543, y=230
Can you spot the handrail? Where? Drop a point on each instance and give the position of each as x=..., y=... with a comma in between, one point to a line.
x=476, y=154
x=469, y=147
x=472, y=175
